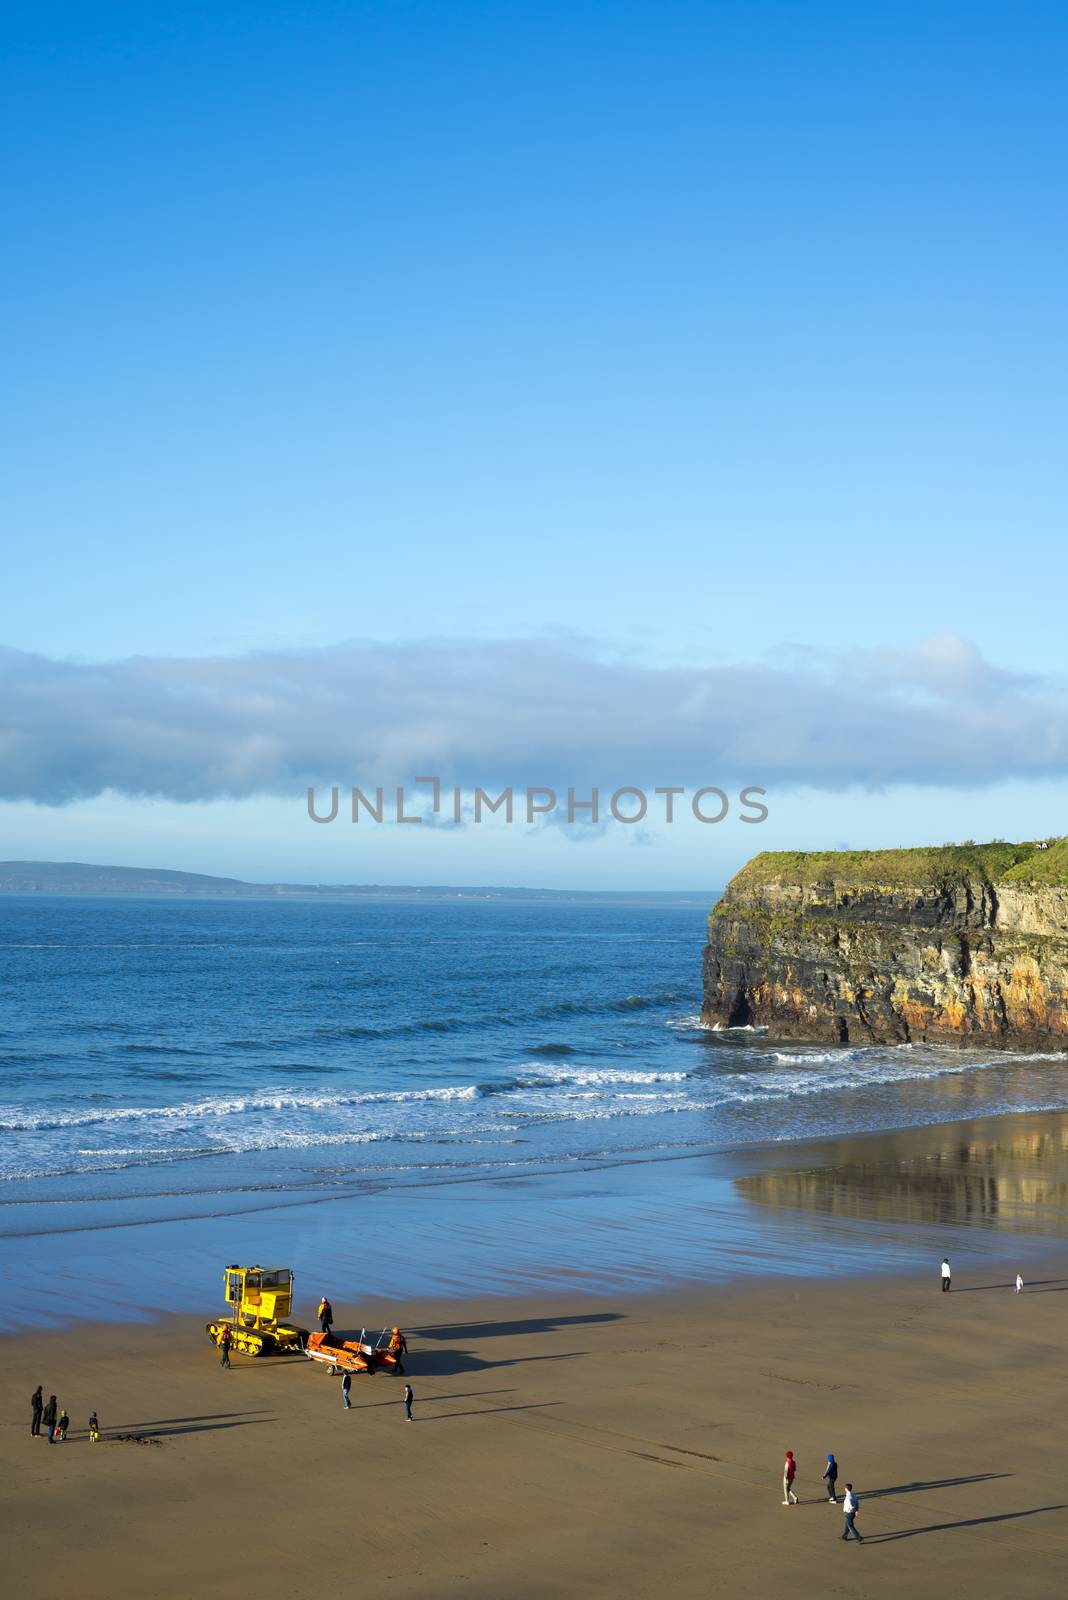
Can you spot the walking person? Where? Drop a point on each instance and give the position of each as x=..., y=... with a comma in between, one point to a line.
x=49, y=1418
x=346, y=1385
x=1019, y=1283
x=946, y=1275
x=850, y=1507
x=830, y=1478
x=325, y=1314
x=36, y=1407
x=94, y=1428
x=225, y=1341
x=409, y=1396
x=789, y=1473
x=398, y=1346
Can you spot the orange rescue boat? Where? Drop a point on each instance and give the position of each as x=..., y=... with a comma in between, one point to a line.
x=350, y=1355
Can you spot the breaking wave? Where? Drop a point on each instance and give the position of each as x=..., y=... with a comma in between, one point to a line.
x=539, y=1094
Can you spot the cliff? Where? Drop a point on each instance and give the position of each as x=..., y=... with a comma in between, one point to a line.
x=967, y=944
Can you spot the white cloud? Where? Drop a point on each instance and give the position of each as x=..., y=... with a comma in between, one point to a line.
x=517, y=712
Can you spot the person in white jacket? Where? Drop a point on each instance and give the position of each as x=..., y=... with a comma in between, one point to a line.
x=946, y=1275
x=850, y=1507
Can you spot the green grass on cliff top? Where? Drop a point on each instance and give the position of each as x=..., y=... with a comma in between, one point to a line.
x=1042, y=866
x=989, y=863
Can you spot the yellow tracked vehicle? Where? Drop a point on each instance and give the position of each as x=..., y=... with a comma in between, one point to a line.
x=261, y=1297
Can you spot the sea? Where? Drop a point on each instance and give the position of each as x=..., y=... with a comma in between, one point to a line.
x=440, y=1094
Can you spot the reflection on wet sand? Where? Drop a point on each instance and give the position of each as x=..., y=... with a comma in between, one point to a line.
x=976, y=1173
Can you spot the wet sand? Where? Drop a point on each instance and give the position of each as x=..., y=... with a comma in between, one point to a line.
x=983, y=1190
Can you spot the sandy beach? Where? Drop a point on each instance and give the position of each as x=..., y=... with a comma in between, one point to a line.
x=562, y=1446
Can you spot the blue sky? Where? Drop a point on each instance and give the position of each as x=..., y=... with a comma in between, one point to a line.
x=689, y=338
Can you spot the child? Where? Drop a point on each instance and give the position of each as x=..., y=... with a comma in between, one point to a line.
x=62, y=1425
x=94, y=1428
x=1019, y=1282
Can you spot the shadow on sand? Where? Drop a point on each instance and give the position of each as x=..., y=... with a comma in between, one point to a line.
x=463, y=1363
x=358, y=1403
x=1038, y=1286
x=968, y=1522
x=483, y=1411
x=932, y=1483
x=503, y=1330
x=243, y=1363
x=455, y=1361
x=208, y=1423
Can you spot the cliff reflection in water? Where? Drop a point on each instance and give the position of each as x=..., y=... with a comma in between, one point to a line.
x=971, y=1173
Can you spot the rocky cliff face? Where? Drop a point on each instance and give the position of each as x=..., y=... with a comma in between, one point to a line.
x=964, y=945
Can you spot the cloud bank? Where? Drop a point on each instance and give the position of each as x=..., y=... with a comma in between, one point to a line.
x=517, y=712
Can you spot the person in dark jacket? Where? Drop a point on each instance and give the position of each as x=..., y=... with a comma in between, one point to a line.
x=225, y=1341
x=830, y=1478
x=36, y=1407
x=409, y=1396
x=62, y=1424
x=346, y=1385
x=49, y=1418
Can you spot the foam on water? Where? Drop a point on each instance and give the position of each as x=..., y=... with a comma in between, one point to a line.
x=150, y=1034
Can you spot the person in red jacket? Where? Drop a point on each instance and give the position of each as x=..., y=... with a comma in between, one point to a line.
x=789, y=1473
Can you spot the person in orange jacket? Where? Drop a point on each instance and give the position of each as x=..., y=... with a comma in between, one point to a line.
x=398, y=1346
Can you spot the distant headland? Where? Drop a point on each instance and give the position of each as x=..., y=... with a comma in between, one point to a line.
x=84, y=878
